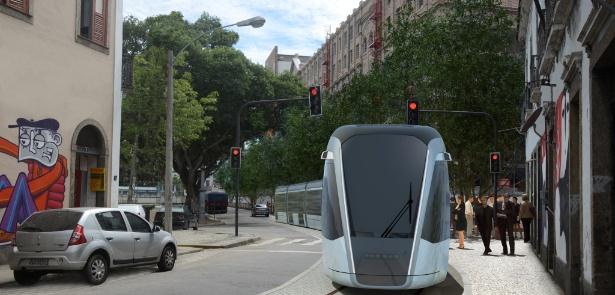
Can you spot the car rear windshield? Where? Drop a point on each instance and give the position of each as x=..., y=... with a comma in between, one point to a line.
x=48, y=221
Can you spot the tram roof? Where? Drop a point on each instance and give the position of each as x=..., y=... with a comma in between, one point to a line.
x=424, y=133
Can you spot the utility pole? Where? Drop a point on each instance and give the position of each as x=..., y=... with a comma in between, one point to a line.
x=168, y=179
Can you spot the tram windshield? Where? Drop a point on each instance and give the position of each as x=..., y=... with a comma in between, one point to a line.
x=383, y=175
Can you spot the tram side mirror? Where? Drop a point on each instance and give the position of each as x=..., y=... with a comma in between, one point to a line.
x=444, y=157
x=326, y=155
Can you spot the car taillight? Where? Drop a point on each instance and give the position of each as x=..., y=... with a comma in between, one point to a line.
x=78, y=236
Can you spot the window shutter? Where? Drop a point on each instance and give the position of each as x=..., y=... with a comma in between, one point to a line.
x=19, y=5
x=100, y=23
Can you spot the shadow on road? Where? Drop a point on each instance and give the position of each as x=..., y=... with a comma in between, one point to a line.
x=448, y=287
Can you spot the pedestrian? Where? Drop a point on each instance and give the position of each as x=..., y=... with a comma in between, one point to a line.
x=527, y=213
x=469, y=212
x=484, y=220
x=505, y=212
x=460, y=220
x=517, y=223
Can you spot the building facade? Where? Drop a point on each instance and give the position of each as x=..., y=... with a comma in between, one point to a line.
x=280, y=63
x=359, y=41
x=60, y=106
x=569, y=130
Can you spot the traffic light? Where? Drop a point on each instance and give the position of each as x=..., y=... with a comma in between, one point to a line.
x=235, y=157
x=412, y=112
x=315, y=101
x=494, y=162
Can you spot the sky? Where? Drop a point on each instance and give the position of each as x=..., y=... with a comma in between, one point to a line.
x=295, y=26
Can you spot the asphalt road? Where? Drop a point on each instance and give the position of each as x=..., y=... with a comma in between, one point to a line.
x=282, y=253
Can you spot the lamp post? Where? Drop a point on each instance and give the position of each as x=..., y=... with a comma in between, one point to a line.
x=255, y=22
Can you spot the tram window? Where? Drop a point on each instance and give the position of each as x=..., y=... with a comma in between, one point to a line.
x=331, y=217
x=434, y=230
x=380, y=171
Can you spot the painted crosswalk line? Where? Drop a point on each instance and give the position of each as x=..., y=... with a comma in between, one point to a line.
x=292, y=242
x=312, y=243
x=267, y=242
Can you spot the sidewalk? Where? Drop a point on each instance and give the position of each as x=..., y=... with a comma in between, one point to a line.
x=208, y=239
x=499, y=274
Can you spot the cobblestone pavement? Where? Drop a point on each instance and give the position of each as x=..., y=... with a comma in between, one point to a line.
x=499, y=274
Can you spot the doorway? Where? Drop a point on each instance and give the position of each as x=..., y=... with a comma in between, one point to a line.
x=89, y=163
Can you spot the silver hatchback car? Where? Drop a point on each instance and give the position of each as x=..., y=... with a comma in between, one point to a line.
x=91, y=240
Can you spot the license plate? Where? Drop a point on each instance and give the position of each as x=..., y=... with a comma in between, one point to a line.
x=39, y=261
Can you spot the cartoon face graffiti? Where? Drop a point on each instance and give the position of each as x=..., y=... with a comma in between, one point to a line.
x=39, y=141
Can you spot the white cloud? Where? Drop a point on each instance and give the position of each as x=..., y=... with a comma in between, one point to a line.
x=295, y=26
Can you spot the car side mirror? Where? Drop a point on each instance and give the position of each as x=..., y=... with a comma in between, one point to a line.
x=156, y=228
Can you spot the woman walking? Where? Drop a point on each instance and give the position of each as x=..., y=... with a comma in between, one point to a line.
x=527, y=212
x=460, y=220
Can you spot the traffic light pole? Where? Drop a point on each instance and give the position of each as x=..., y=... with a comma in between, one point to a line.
x=495, y=133
x=238, y=144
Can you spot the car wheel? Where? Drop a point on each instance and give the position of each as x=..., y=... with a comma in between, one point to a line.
x=26, y=278
x=167, y=259
x=96, y=269
x=267, y=215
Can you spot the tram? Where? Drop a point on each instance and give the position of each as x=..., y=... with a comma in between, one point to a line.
x=385, y=214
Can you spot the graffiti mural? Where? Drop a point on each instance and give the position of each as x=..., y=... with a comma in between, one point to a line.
x=561, y=174
x=41, y=187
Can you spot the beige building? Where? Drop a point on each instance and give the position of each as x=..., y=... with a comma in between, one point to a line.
x=280, y=63
x=60, y=106
x=359, y=40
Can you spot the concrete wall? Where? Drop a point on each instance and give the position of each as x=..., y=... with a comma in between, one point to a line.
x=50, y=72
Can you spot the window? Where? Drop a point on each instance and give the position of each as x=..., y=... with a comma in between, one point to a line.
x=111, y=221
x=434, y=229
x=50, y=221
x=22, y=6
x=93, y=23
x=330, y=206
x=379, y=182
x=137, y=224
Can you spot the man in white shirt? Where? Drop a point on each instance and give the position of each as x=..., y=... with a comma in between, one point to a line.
x=470, y=215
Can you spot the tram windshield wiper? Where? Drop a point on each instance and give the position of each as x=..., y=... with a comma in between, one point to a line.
x=401, y=212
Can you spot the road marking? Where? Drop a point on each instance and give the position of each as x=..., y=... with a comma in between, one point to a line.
x=267, y=242
x=292, y=241
x=276, y=251
x=312, y=243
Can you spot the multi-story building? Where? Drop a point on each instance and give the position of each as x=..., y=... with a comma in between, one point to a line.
x=60, y=106
x=359, y=41
x=569, y=138
x=280, y=63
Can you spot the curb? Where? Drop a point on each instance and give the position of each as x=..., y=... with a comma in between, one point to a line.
x=189, y=252
x=462, y=278
x=231, y=245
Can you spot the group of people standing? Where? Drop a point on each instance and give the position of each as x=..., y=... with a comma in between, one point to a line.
x=503, y=213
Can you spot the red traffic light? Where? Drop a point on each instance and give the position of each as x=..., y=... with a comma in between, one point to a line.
x=235, y=151
x=494, y=157
x=313, y=91
x=412, y=105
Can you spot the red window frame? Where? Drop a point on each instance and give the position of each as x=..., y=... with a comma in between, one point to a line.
x=22, y=6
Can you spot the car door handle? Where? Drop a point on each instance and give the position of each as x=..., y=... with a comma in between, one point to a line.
x=109, y=238
x=137, y=239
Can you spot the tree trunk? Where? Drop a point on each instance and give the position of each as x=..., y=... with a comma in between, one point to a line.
x=133, y=170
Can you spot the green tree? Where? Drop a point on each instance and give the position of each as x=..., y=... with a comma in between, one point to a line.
x=210, y=72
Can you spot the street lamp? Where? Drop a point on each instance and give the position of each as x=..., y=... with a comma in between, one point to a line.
x=255, y=22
